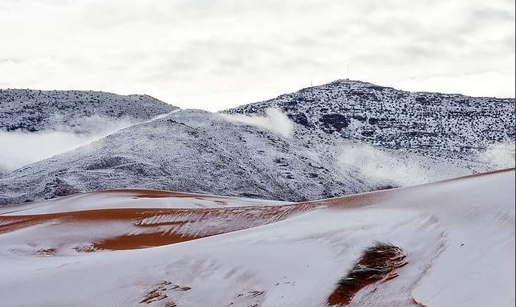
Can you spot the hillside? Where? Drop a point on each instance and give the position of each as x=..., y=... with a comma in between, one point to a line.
x=188, y=151
x=428, y=123
x=79, y=111
x=333, y=140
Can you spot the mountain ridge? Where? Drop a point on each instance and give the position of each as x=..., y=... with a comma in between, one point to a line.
x=368, y=108
x=36, y=110
x=326, y=153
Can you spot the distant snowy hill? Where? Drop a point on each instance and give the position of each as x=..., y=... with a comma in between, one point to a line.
x=427, y=123
x=342, y=138
x=36, y=125
x=31, y=110
x=189, y=151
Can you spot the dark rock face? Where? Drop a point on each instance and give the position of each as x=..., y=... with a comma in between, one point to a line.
x=333, y=122
x=300, y=119
x=373, y=121
x=368, y=133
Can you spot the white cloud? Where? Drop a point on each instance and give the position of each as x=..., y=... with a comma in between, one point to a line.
x=274, y=120
x=406, y=170
x=214, y=54
x=500, y=156
x=22, y=148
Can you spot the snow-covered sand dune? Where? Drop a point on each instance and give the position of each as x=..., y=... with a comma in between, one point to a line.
x=89, y=250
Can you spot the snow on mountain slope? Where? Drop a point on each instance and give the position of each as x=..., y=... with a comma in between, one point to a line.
x=79, y=111
x=36, y=125
x=445, y=126
x=342, y=138
x=458, y=237
x=190, y=151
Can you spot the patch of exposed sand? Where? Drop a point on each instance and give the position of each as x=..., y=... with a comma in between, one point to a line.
x=417, y=304
x=378, y=263
x=142, y=193
x=157, y=227
x=159, y=293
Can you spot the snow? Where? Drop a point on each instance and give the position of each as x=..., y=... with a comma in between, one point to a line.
x=337, y=139
x=458, y=235
x=126, y=200
x=36, y=125
x=445, y=128
x=82, y=112
x=300, y=150
x=189, y=151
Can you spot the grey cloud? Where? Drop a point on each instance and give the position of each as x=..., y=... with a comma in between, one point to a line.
x=11, y=60
x=190, y=48
x=204, y=8
x=509, y=43
x=210, y=56
x=492, y=15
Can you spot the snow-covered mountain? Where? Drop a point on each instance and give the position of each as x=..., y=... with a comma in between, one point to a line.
x=80, y=111
x=442, y=125
x=189, y=151
x=342, y=138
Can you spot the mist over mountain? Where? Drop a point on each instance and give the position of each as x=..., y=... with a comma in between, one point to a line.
x=35, y=125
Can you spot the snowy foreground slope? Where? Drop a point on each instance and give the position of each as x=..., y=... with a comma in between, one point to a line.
x=86, y=250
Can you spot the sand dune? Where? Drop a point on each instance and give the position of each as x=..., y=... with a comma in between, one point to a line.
x=457, y=240
x=141, y=228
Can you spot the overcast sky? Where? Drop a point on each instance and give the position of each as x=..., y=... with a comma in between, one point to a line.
x=214, y=54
